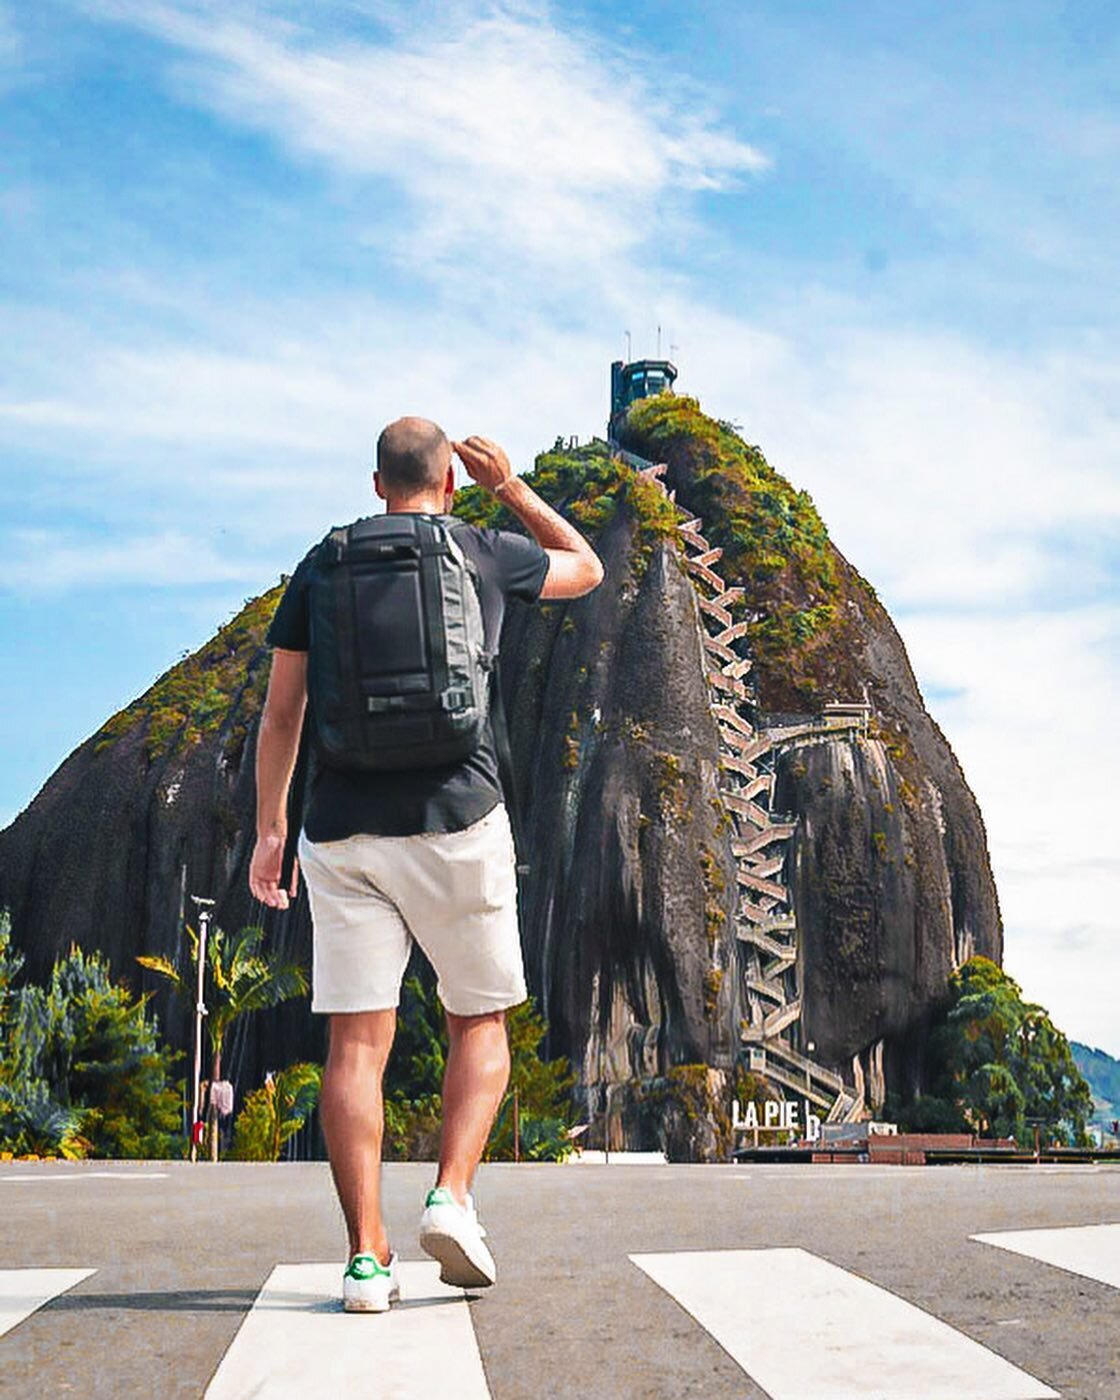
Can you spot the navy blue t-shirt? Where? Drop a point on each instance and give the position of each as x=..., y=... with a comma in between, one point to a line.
x=343, y=802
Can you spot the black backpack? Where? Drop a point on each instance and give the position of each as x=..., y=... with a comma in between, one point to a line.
x=398, y=673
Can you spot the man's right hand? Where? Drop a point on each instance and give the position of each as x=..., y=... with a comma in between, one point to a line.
x=265, y=870
x=573, y=566
x=484, y=460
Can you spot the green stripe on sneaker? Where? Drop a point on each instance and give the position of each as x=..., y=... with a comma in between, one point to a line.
x=366, y=1266
x=440, y=1196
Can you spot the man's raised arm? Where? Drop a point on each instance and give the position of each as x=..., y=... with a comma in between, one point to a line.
x=573, y=566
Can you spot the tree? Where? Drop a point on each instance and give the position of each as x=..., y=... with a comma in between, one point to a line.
x=414, y=1082
x=11, y=964
x=544, y=1104
x=243, y=978
x=275, y=1112
x=82, y=1069
x=997, y=1061
x=412, y=1089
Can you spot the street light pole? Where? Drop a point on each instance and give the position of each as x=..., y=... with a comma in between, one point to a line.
x=204, y=907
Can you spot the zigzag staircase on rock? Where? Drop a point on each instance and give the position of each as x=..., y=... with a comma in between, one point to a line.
x=764, y=918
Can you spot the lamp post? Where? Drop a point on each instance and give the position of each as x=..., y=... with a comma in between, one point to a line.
x=204, y=907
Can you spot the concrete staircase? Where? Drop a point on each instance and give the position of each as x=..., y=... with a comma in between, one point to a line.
x=764, y=922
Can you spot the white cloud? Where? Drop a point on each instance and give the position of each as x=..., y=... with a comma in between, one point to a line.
x=308, y=386
x=947, y=472
x=1032, y=728
x=513, y=136
x=37, y=562
x=276, y=441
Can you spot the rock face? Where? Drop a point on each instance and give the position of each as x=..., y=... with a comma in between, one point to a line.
x=157, y=806
x=889, y=900
x=617, y=747
x=628, y=910
x=888, y=866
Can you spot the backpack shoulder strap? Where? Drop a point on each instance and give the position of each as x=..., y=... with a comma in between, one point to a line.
x=458, y=527
x=501, y=732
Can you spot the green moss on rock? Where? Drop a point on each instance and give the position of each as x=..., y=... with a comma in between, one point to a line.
x=713, y=981
x=774, y=543
x=587, y=485
x=225, y=678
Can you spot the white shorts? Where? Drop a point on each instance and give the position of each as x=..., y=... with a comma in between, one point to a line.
x=455, y=892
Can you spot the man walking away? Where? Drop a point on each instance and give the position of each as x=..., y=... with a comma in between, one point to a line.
x=422, y=853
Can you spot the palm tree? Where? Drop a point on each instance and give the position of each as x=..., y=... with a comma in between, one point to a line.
x=276, y=1112
x=243, y=978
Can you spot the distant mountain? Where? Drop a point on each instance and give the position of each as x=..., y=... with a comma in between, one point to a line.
x=1103, y=1074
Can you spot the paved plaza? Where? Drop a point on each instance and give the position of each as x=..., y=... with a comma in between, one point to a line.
x=798, y=1282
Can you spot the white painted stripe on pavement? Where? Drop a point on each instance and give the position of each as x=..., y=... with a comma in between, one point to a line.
x=1090, y=1250
x=22, y=1291
x=35, y=1177
x=296, y=1341
x=805, y=1329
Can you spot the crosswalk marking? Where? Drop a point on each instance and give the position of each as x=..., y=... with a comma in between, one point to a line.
x=806, y=1329
x=34, y=1178
x=22, y=1291
x=1090, y=1250
x=296, y=1341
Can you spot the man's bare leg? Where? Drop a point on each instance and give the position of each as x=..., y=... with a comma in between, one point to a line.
x=474, y=1081
x=351, y=1112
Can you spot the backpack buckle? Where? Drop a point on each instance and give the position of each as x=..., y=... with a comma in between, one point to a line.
x=455, y=698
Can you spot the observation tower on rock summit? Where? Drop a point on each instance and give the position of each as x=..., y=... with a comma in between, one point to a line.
x=636, y=380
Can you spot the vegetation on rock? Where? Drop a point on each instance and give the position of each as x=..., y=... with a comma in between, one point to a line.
x=223, y=683
x=692, y=1108
x=774, y=544
x=589, y=485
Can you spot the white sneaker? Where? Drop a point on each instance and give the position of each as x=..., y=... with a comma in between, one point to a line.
x=368, y=1285
x=452, y=1234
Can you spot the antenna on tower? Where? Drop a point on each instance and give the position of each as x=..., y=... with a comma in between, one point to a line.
x=628, y=351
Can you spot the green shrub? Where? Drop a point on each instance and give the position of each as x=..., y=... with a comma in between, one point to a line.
x=414, y=1082
x=275, y=1112
x=82, y=1069
x=774, y=543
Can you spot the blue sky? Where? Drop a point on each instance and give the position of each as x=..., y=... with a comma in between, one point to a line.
x=236, y=239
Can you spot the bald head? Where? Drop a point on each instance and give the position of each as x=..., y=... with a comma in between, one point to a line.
x=413, y=455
